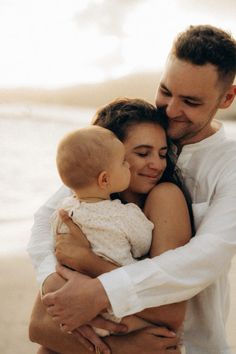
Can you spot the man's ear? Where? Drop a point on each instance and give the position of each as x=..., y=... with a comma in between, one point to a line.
x=228, y=97
x=103, y=179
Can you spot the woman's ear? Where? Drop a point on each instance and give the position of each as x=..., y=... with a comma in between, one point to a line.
x=103, y=179
x=228, y=97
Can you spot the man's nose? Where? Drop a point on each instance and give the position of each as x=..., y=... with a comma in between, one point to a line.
x=173, y=108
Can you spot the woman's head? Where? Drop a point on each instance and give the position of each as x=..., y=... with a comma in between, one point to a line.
x=146, y=152
x=122, y=114
x=141, y=127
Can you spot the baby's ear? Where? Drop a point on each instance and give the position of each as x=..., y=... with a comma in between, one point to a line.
x=103, y=179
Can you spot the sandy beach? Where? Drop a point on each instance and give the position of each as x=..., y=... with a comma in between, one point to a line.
x=18, y=289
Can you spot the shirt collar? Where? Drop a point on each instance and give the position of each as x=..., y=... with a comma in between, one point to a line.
x=216, y=137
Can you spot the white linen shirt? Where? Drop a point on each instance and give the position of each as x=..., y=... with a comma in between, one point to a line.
x=200, y=267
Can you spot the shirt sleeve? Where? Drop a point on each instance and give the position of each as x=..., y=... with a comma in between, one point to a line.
x=179, y=274
x=138, y=230
x=41, y=245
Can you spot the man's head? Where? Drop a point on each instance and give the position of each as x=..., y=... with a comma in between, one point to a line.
x=201, y=45
x=89, y=154
x=197, y=81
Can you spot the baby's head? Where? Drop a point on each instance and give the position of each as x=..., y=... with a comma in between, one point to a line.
x=93, y=155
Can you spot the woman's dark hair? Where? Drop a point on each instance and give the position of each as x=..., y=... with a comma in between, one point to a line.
x=123, y=113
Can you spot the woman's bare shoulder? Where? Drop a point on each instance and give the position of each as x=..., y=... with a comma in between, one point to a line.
x=166, y=190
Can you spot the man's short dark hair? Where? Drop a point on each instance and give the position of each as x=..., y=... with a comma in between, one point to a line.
x=205, y=44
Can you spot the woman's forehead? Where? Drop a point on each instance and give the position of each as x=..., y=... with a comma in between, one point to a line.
x=146, y=134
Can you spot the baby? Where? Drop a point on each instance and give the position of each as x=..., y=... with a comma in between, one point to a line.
x=91, y=162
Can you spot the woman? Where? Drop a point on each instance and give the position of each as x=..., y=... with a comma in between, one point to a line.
x=138, y=125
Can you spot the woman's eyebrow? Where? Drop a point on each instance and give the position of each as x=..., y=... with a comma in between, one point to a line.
x=149, y=147
x=143, y=146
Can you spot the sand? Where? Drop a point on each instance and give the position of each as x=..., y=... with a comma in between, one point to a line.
x=18, y=289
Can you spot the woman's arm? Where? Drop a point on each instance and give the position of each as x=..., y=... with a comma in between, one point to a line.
x=151, y=340
x=167, y=209
x=44, y=331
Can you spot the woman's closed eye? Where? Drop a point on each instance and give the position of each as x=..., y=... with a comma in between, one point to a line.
x=163, y=156
x=142, y=154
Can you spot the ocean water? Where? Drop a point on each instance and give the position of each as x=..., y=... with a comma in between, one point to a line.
x=28, y=139
x=28, y=176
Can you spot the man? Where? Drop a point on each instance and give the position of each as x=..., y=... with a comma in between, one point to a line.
x=197, y=81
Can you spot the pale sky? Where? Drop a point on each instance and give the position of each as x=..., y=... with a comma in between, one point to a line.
x=52, y=43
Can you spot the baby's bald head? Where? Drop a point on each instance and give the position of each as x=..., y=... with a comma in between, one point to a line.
x=83, y=154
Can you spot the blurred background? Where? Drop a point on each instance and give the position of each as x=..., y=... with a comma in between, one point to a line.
x=60, y=60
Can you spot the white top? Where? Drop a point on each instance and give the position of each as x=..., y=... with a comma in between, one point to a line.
x=209, y=169
x=118, y=232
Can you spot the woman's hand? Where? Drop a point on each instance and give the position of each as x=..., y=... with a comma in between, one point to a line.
x=71, y=249
x=89, y=338
x=150, y=340
x=76, y=233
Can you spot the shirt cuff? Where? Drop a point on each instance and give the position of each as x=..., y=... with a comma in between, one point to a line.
x=47, y=267
x=122, y=287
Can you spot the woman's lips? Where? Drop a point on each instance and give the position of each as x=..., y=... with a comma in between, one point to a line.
x=154, y=178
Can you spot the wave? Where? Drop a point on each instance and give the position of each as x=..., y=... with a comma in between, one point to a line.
x=46, y=113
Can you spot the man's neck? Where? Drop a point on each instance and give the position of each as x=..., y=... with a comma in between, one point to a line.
x=202, y=135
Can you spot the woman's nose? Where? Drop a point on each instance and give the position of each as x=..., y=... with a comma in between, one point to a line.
x=157, y=164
